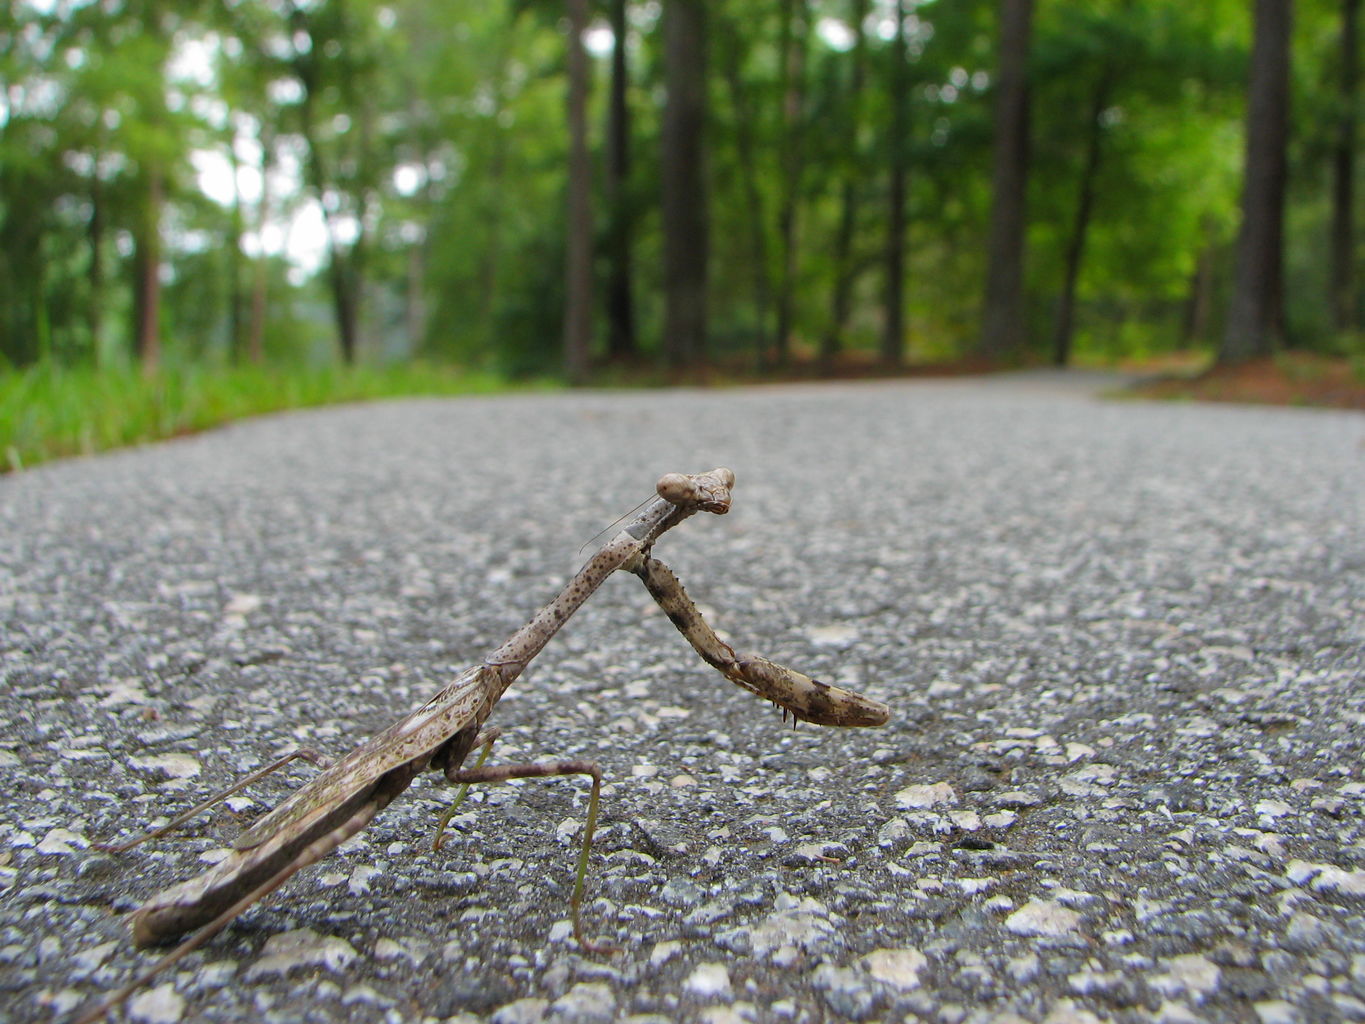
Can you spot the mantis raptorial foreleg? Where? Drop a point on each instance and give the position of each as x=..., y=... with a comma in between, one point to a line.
x=804, y=698
x=307, y=753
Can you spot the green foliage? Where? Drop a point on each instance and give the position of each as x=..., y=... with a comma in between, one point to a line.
x=434, y=136
x=1164, y=79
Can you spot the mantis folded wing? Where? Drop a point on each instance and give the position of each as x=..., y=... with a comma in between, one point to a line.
x=438, y=736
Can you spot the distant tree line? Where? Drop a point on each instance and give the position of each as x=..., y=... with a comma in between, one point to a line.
x=554, y=186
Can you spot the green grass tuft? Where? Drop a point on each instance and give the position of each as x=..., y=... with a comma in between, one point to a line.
x=48, y=411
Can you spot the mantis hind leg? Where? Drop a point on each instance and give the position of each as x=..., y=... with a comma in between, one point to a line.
x=485, y=740
x=503, y=773
x=307, y=753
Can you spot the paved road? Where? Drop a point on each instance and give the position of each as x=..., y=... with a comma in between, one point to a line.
x=1124, y=644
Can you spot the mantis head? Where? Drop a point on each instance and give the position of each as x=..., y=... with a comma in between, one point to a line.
x=709, y=492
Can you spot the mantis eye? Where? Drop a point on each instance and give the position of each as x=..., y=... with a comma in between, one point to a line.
x=678, y=488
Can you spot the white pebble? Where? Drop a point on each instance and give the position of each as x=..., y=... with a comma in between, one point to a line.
x=928, y=795
x=710, y=981
x=159, y=1006
x=898, y=968
x=1042, y=917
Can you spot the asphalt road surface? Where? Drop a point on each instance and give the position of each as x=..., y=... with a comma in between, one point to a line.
x=1124, y=645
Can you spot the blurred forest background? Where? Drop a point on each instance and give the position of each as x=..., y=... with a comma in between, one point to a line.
x=576, y=188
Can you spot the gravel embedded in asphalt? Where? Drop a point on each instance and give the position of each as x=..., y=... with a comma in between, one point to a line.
x=1124, y=645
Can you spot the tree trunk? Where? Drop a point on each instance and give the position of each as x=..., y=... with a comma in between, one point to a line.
x=1345, y=316
x=147, y=270
x=1199, y=304
x=490, y=267
x=620, y=299
x=415, y=305
x=495, y=214
x=685, y=215
x=345, y=282
x=94, y=312
x=255, y=349
x=1256, y=314
x=792, y=45
x=345, y=263
x=893, y=331
x=578, y=248
x=1003, y=331
x=745, y=119
x=260, y=284
x=236, y=298
x=1064, y=328
x=841, y=300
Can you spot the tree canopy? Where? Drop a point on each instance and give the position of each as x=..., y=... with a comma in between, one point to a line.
x=749, y=183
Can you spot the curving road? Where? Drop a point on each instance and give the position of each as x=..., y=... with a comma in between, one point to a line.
x=1124, y=644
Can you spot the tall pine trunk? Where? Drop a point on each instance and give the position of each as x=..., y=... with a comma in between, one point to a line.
x=1256, y=314
x=1199, y=303
x=578, y=264
x=1065, y=327
x=345, y=301
x=841, y=299
x=620, y=297
x=893, y=328
x=1003, y=331
x=345, y=263
x=147, y=271
x=414, y=297
x=685, y=214
x=94, y=310
x=1345, y=315
x=260, y=281
x=795, y=17
x=236, y=296
x=754, y=207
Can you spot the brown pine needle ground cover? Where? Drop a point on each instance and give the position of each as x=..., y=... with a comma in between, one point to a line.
x=1290, y=378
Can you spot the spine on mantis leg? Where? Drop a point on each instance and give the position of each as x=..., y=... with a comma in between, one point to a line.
x=808, y=699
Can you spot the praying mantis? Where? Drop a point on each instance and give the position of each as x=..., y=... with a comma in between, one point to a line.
x=438, y=736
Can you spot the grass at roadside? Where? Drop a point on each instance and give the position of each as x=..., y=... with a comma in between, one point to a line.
x=48, y=411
